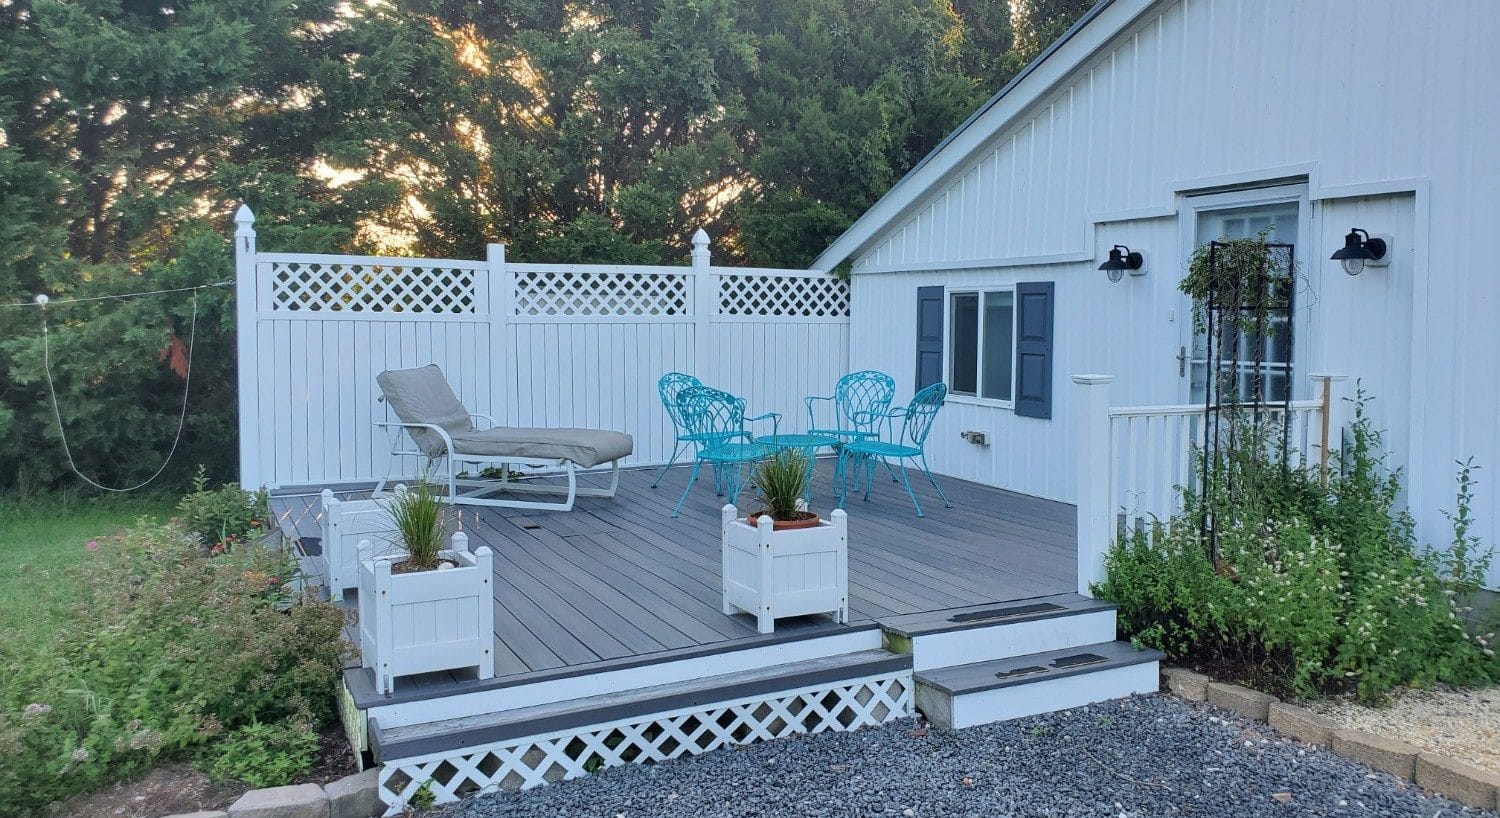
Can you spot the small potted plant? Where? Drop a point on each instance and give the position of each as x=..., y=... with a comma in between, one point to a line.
x=785, y=560
x=426, y=607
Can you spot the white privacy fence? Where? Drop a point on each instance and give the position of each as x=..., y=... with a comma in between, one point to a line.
x=530, y=344
x=1133, y=461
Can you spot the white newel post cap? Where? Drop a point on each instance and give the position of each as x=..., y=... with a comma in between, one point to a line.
x=1093, y=380
x=244, y=219
x=460, y=541
x=700, y=248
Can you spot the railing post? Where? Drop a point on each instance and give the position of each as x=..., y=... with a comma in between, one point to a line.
x=502, y=307
x=248, y=369
x=1091, y=425
x=1333, y=413
x=705, y=305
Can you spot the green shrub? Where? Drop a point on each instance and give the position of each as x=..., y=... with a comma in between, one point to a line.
x=225, y=516
x=1310, y=590
x=265, y=755
x=166, y=652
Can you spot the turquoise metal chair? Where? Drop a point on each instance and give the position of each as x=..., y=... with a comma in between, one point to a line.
x=916, y=423
x=716, y=420
x=670, y=387
x=860, y=401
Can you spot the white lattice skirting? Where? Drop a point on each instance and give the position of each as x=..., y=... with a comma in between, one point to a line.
x=543, y=759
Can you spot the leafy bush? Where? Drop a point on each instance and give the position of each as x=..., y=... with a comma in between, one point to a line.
x=265, y=755
x=223, y=516
x=168, y=653
x=1314, y=590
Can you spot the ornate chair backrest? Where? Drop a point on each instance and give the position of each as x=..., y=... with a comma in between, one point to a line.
x=863, y=398
x=712, y=415
x=922, y=411
x=670, y=386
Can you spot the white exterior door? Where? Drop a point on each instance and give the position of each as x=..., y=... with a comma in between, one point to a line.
x=1277, y=212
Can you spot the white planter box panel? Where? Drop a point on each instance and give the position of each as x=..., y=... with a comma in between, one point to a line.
x=429, y=620
x=345, y=524
x=773, y=574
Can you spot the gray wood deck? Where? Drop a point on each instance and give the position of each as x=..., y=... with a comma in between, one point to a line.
x=620, y=580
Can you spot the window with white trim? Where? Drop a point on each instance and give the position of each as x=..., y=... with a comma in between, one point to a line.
x=982, y=344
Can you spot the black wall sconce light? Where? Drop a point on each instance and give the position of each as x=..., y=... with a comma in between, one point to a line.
x=1360, y=250
x=1122, y=260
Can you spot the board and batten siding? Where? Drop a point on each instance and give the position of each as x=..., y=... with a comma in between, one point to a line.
x=1384, y=112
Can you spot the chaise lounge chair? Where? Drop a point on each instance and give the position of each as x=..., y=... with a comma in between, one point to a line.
x=436, y=424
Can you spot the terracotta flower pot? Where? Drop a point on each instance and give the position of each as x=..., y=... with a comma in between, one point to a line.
x=804, y=519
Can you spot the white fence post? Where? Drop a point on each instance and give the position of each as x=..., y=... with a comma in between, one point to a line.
x=501, y=308
x=705, y=300
x=1095, y=534
x=245, y=332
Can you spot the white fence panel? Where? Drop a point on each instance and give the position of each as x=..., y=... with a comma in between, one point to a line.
x=1154, y=452
x=1133, y=461
x=530, y=344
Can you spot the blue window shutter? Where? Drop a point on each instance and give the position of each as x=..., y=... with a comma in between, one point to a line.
x=1034, y=349
x=929, y=336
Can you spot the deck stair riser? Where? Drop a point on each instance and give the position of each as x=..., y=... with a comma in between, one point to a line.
x=1001, y=631
x=583, y=682
x=998, y=690
x=537, y=745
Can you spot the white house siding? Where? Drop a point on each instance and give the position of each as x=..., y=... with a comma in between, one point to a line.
x=1388, y=113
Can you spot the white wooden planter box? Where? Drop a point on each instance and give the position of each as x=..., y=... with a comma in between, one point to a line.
x=347, y=523
x=428, y=620
x=770, y=574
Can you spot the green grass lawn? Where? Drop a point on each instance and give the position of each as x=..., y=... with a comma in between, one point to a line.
x=41, y=537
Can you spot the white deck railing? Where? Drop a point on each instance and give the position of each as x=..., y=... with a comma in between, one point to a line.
x=530, y=344
x=1134, y=461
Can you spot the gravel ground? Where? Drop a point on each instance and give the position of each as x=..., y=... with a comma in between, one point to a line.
x=1146, y=756
x=1460, y=724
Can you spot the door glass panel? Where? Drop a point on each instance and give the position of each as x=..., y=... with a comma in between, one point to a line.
x=999, y=343
x=1237, y=345
x=964, y=338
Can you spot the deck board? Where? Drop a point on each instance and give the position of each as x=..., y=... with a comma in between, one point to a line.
x=620, y=580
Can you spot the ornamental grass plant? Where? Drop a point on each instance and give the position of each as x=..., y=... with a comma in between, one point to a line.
x=781, y=480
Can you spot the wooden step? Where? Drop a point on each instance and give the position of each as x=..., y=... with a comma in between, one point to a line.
x=488, y=728
x=1002, y=689
x=981, y=633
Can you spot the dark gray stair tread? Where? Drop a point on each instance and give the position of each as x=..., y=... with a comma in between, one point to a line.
x=982, y=676
x=1004, y=613
x=487, y=728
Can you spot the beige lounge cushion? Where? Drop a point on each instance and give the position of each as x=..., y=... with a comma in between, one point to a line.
x=422, y=395
x=586, y=447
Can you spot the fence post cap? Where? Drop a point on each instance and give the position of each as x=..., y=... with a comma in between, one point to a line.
x=1093, y=380
x=243, y=215
x=700, y=238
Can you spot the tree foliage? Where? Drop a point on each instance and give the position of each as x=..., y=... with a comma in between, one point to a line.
x=593, y=130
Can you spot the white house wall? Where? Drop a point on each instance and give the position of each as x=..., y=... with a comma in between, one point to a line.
x=1385, y=111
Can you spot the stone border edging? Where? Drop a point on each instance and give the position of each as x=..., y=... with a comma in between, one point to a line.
x=1449, y=777
x=354, y=796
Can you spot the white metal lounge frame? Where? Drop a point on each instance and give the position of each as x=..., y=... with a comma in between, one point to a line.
x=474, y=489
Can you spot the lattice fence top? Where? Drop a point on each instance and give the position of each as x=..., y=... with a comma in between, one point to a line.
x=771, y=295
x=577, y=292
x=374, y=287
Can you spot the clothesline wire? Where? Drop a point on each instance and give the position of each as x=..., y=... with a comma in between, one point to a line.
x=52, y=301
